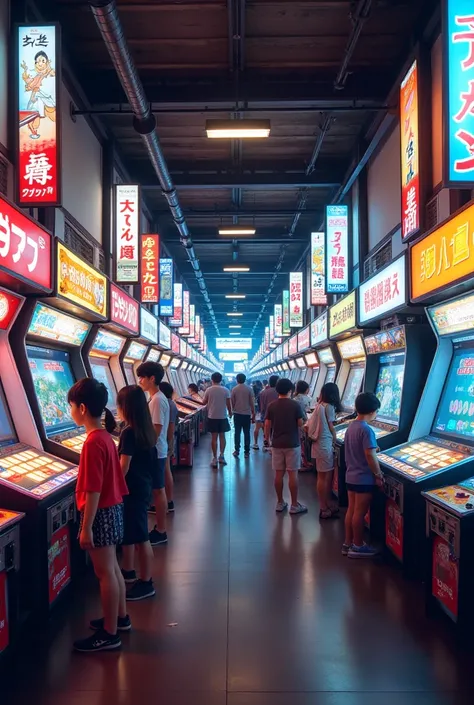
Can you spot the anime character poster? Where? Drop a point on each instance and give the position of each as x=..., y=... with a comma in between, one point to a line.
x=39, y=178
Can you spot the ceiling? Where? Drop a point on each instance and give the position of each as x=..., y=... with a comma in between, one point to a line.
x=319, y=70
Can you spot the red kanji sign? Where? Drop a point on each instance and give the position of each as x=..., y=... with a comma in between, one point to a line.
x=150, y=257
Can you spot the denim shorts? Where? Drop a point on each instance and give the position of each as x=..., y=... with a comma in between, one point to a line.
x=158, y=474
x=361, y=489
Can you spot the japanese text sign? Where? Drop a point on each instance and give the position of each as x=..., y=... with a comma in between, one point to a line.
x=184, y=348
x=296, y=299
x=38, y=114
x=150, y=256
x=454, y=316
x=124, y=311
x=384, y=292
x=337, y=249
x=303, y=339
x=278, y=317
x=342, y=316
x=445, y=256
x=233, y=356
x=166, y=287
x=127, y=225
x=80, y=283
x=148, y=325
x=409, y=145
x=25, y=248
x=459, y=80
x=293, y=345
x=174, y=343
x=286, y=312
x=177, y=320
x=318, y=291
x=184, y=329
x=192, y=320
x=271, y=325
x=164, y=336
x=319, y=329
x=266, y=343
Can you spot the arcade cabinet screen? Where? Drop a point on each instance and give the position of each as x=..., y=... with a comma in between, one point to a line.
x=455, y=415
x=129, y=374
x=331, y=375
x=352, y=388
x=53, y=378
x=7, y=432
x=103, y=374
x=389, y=387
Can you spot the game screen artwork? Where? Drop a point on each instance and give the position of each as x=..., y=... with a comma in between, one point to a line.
x=455, y=414
x=52, y=377
x=352, y=388
x=331, y=375
x=389, y=388
x=103, y=374
x=129, y=375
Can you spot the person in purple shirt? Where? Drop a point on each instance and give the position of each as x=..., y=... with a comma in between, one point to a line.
x=265, y=398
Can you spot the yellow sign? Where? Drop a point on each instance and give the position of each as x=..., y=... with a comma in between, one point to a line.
x=444, y=257
x=80, y=283
x=342, y=316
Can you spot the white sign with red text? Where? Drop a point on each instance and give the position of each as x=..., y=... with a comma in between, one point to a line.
x=383, y=292
x=127, y=224
x=296, y=299
x=337, y=249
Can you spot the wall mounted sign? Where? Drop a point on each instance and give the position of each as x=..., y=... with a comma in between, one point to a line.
x=409, y=141
x=177, y=320
x=296, y=299
x=164, y=336
x=166, y=287
x=38, y=66
x=342, y=316
x=184, y=329
x=337, y=249
x=127, y=227
x=124, y=311
x=286, y=312
x=319, y=329
x=233, y=356
x=148, y=326
x=293, y=345
x=150, y=255
x=384, y=292
x=304, y=339
x=318, y=290
x=80, y=283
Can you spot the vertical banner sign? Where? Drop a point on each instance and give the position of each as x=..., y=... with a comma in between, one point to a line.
x=192, y=320
x=267, y=339
x=286, y=312
x=177, y=319
x=150, y=255
x=296, y=299
x=184, y=329
x=459, y=80
x=38, y=81
x=278, y=314
x=271, y=325
x=318, y=292
x=166, y=287
x=127, y=224
x=337, y=250
x=409, y=137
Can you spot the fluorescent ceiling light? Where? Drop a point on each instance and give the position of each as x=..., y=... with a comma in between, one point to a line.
x=235, y=296
x=236, y=269
x=236, y=230
x=237, y=129
x=235, y=326
x=234, y=313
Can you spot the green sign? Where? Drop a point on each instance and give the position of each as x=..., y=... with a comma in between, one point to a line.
x=286, y=312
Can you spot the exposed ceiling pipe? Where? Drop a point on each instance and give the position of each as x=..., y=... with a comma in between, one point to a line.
x=144, y=122
x=359, y=17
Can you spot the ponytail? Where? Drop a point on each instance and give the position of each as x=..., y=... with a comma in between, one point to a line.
x=109, y=421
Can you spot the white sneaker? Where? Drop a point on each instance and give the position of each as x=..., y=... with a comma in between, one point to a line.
x=281, y=506
x=255, y=446
x=298, y=508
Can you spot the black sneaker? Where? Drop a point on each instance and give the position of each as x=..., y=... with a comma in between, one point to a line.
x=129, y=575
x=123, y=624
x=140, y=591
x=151, y=509
x=100, y=641
x=157, y=537
x=171, y=506
x=247, y=454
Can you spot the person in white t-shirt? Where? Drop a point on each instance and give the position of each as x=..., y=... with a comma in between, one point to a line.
x=149, y=376
x=217, y=400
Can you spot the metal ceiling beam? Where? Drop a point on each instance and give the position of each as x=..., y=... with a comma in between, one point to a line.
x=196, y=214
x=250, y=181
x=244, y=240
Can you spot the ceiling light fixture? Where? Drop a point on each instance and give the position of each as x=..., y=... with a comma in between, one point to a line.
x=234, y=313
x=235, y=326
x=237, y=129
x=236, y=230
x=235, y=296
x=236, y=269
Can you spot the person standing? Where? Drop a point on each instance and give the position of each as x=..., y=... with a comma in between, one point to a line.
x=243, y=408
x=150, y=374
x=217, y=400
x=168, y=391
x=283, y=421
x=265, y=398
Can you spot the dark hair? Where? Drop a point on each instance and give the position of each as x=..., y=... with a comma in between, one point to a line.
x=151, y=369
x=193, y=387
x=216, y=377
x=330, y=395
x=265, y=382
x=284, y=385
x=133, y=404
x=92, y=394
x=302, y=386
x=366, y=403
x=241, y=378
x=167, y=389
x=41, y=53
x=273, y=380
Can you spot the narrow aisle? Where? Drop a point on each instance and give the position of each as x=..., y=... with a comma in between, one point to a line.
x=254, y=608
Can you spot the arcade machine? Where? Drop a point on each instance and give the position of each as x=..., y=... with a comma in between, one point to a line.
x=312, y=363
x=300, y=369
x=440, y=448
x=9, y=577
x=133, y=355
x=325, y=356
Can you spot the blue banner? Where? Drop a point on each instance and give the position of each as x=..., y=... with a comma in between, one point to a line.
x=166, y=287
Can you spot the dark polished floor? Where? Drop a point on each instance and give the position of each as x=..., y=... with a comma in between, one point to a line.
x=253, y=608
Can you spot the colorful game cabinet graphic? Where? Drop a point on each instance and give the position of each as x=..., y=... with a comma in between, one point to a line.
x=59, y=562
x=394, y=528
x=445, y=576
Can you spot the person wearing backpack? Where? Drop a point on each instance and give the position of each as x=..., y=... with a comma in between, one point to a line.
x=321, y=431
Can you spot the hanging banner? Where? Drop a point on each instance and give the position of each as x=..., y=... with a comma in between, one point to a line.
x=271, y=325
x=318, y=295
x=166, y=287
x=459, y=82
x=192, y=320
x=127, y=225
x=201, y=339
x=296, y=299
x=278, y=315
x=149, y=256
x=409, y=143
x=266, y=343
x=286, y=312
x=337, y=249
x=184, y=330
x=177, y=320
x=38, y=65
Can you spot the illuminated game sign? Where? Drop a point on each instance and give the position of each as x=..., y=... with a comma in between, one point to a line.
x=124, y=310
x=318, y=290
x=166, y=287
x=164, y=336
x=184, y=329
x=351, y=348
x=342, y=316
x=136, y=351
x=127, y=225
x=293, y=345
x=384, y=292
x=296, y=299
x=410, y=153
x=177, y=320
x=38, y=66
x=148, y=325
x=108, y=342
x=184, y=348
x=80, y=283
x=303, y=339
x=9, y=305
x=150, y=255
x=444, y=257
x=25, y=248
x=233, y=356
x=286, y=312
x=53, y=324
x=337, y=249
x=319, y=329
x=454, y=316
x=266, y=344
x=278, y=317
x=234, y=343
x=459, y=81
x=174, y=343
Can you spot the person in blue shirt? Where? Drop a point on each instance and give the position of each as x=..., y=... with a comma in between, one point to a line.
x=363, y=474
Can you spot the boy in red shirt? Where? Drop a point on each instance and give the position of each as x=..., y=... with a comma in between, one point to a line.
x=99, y=497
